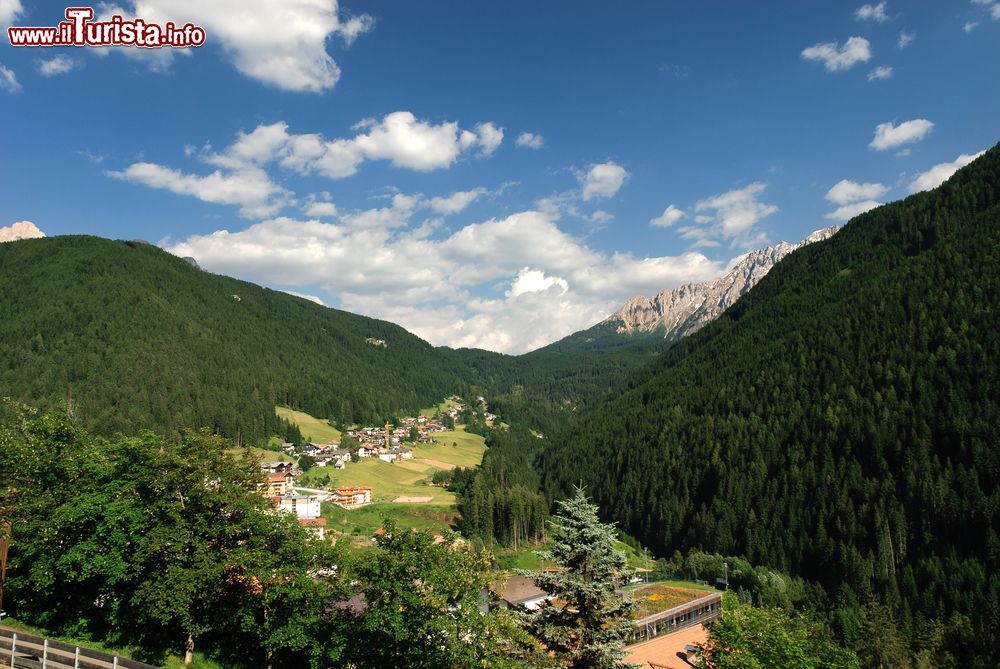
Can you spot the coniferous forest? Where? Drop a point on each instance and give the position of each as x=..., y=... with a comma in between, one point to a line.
x=839, y=422
x=127, y=337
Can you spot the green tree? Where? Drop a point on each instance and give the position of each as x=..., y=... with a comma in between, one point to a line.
x=746, y=637
x=588, y=623
x=422, y=608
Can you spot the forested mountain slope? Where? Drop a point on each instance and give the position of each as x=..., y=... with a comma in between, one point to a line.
x=840, y=421
x=130, y=337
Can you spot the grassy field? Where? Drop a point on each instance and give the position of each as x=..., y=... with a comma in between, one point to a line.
x=406, y=478
x=263, y=454
x=443, y=407
x=409, y=478
x=362, y=523
x=316, y=430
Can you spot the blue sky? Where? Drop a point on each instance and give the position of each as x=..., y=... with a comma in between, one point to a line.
x=490, y=174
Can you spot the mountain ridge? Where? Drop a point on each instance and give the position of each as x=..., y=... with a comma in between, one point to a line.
x=689, y=307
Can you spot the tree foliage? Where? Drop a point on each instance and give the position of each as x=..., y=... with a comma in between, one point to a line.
x=158, y=544
x=746, y=637
x=586, y=623
x=422, y=608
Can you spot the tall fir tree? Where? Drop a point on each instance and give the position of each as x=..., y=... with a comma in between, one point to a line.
x=587, y=623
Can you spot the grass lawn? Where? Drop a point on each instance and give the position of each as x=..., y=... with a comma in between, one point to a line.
x=316, y=430
x=363, y=522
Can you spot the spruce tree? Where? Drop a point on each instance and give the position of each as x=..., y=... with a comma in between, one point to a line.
x=586, y=623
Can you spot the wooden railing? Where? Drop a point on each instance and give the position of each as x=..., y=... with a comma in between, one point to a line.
x=27, y=651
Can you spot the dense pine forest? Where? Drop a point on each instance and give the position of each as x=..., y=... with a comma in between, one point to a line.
x=128, y=337
x=839, y=422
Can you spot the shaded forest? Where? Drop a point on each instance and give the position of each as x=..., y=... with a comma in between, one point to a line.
x=839, y=422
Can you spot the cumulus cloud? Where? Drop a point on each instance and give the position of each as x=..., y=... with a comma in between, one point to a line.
x=905, y=39
x=889, y=136
x=845, y=192
x=729, y=216
x=849, y=211
x=305, y=296
x=509, y=284
x=20, y=230
x=488, y=138
x=880, y=72
x=282, y=44
x=320, y=209
x=57, y=65
x=8, y=80
x=602, y=180
x=529, y=140
x=250, y=188
x=455, y=202
x=535, y=281
x=941, y=172
x=875, y=13
x=837, y=58
x=399, y=138
x=9, y=11
x=669, y=216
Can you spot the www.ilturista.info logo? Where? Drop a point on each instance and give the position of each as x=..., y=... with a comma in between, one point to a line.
x=80, y=30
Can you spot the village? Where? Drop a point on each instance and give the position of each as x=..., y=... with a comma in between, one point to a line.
x=393, y=442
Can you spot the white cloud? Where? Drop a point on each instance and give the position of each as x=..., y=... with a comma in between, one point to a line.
x=875, y=13
x=60, y=64
x=508, y=284
x=905, y=39
x=845, y=192
x=399, y=138
x=320, y=210
x=880, y=72
x=9, y=11
x=602, y=180
x=669, y=216
x=849, y=211
x=250, y=187
x=535, y=281
x=530, y=140
x=20, y=230
x=941, y=172
x=8, y=80
x=731, y=215
x=970, y=26
x=600, y=216
x=490, y=137
x=306, y=296
x=889, y=136
x=455, y=202
x=282, y=44
x=837, y=58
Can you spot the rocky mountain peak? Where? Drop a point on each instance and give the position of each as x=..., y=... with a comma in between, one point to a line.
x=687, y=308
